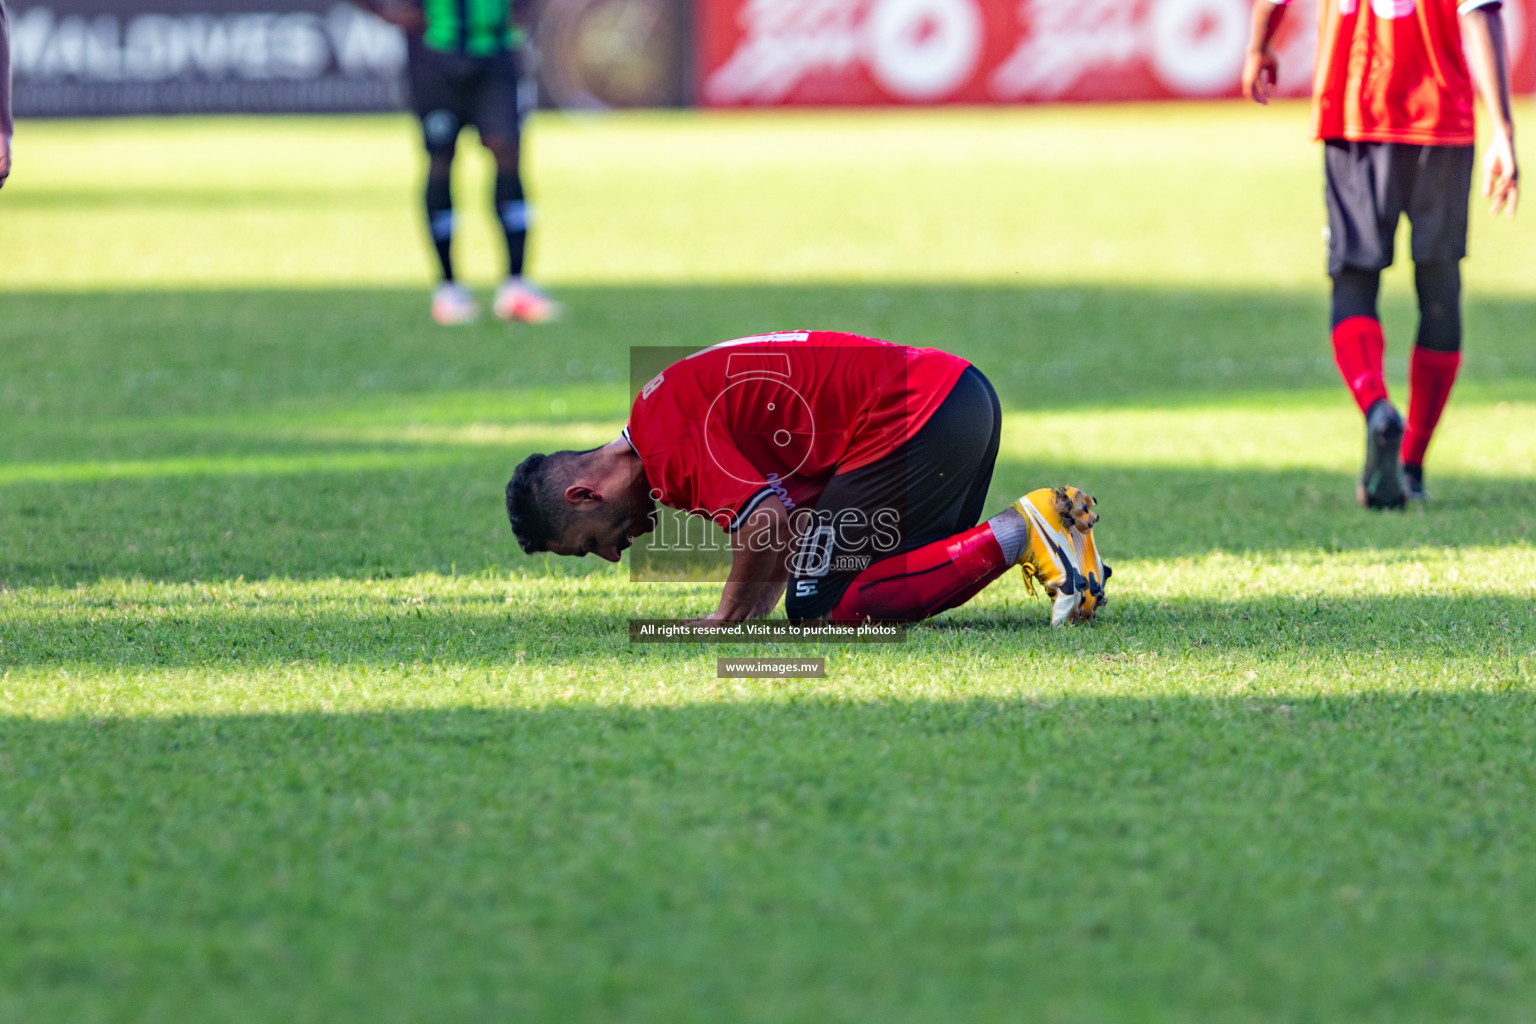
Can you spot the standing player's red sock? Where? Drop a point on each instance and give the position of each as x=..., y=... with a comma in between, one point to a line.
x=1358, y=345
x=917, y=584
x=1431, y=373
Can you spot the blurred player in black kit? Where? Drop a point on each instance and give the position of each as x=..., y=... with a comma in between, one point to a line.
x=463, y=70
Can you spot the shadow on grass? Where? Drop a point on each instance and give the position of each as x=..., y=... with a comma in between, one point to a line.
x=78, y=371
x=167, y=352
x=1157, y=860
x=438, y=510
x=591, y=635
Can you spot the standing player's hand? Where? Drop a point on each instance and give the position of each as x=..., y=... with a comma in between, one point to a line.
x=1260, y=71
x=405, y=16
x=1501, y=175
x=5, y=158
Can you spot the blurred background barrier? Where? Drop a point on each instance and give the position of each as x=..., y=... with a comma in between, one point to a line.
x=104, y=57
x=771, y=52
x=615, y=53
x=81, y=58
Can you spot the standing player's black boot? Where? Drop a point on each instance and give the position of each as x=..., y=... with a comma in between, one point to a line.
x=1381, y=482
x=1413, y=483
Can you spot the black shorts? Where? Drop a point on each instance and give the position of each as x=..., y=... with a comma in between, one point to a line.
x=1369, y=185
x=451, y=90
x=932, y=487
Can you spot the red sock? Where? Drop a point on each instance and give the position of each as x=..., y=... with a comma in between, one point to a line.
x=921, y=583
x=1430, y=376
x=1357, y=347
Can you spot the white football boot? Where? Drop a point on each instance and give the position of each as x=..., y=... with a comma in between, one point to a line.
x=520, y=301
x=453, y=305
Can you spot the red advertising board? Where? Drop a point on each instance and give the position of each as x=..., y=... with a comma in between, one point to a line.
x=794, y=52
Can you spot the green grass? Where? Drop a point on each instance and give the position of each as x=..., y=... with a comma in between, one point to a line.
x=290, y=731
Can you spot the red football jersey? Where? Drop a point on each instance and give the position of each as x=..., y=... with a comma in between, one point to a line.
x=721, y=430
x=1393, y=71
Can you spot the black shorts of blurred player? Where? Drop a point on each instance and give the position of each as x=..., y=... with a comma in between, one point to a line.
x=932, y=487
x=449, y=92
x=1370, y=186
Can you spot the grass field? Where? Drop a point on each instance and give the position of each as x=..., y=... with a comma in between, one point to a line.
x=291, y=732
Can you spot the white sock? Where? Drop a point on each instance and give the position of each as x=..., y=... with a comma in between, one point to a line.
x=1012, y=532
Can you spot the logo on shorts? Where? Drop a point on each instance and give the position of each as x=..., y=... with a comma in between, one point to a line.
x=440, y=127
x=814, y=556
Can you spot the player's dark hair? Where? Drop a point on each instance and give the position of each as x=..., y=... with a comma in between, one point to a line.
x=536, y=505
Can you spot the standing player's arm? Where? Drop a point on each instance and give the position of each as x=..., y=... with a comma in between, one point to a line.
x=1488, y=58
x=759, y=565
x=1261, y=66
x=403, y=14
x=6, y=127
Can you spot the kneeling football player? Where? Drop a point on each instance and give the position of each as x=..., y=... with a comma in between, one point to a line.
x=849, y=470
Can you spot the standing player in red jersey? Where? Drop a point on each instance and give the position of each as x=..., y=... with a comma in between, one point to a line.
x=1393, y=107
x=849, y=470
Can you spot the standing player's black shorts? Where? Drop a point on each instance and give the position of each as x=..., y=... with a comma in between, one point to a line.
x=1369, y=185
x=932, y=487
x=451, y=90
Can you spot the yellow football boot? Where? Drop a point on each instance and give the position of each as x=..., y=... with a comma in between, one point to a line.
x=1061, y=552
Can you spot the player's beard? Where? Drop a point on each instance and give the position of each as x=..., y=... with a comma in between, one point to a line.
x=619, y=521
x=639, y=515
